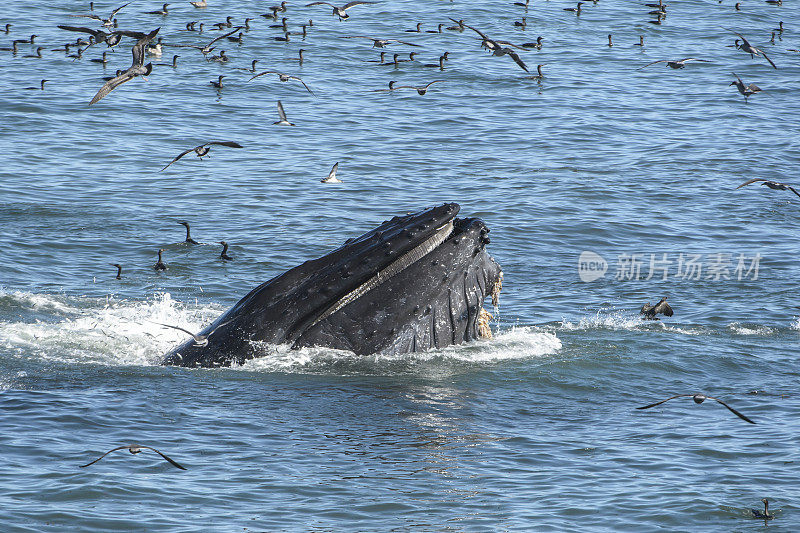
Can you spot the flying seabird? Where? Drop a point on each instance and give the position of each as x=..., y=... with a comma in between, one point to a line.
x=750, y=49
x=205, y=50
x=340, y=11
x=134, y=449
x=199, y=340
x=771, y=184
x=661, y=308
x=700, y=398
x=745, y=90
x=421, y=90
x=160, y=264
x=379, y=43
x=282, y=115
x=189, y=239
x=202, y=150
x=497, y=48
x=138, y=68
x=224, y=255
x=107, y=21
x=332, y=175
x=282, y=77
x=675, y=63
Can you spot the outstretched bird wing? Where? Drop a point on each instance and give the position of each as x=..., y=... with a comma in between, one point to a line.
x=748, y=182
x=173, y=463
x=281, y=112
x=262, y=73
x=731, y=409
x=301, y=81
x=231, y=144
x=516, y=58
x=112, y=84
x=332, y=173
x=168, y=164
x=653, y=63
x=108, y=452
x=662, y=401
x=348, y=5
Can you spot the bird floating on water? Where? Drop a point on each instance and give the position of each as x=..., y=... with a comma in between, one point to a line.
x=700, y=398
x=160, y=264
x=224, y=255
x=203, y=149
x=189, y=239
x=765, y=515
x=163, y=11
x=661, y=308
x=119, y=270
x=134, y=449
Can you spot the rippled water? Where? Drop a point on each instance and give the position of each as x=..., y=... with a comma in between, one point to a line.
x=533, y=430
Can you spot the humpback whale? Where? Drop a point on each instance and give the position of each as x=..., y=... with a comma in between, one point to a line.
x=414, y=283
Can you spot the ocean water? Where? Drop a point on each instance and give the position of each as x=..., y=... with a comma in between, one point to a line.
x=632, y=169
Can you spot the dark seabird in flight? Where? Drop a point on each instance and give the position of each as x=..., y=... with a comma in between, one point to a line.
x=160, y=264
x=750, y=49
x=138, y=68
x=205, y=50
x=700, y=398
x=332, y=175
x=661, y=308
x=674, y=63
x=282, y=115
x=282, y=77
x=189, y=239
x=745, y=90
x=105, y=22
x=340, y=11
x=421, y=90
x=199, y=340
x=134, y=449
x=203, y=149
x=497, y=48
x=771, y=184
x=379, y=43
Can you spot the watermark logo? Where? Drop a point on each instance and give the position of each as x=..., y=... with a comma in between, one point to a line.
x=712, y=267
x=591, y=266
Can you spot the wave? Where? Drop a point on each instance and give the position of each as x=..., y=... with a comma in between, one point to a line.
x=116, y=332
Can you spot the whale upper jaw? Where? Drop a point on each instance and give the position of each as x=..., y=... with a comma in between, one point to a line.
x=392, y=271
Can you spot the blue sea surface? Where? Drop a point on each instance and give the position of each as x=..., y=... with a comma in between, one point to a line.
x=633, y=168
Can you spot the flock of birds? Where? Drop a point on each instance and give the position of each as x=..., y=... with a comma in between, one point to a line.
x=149, y=43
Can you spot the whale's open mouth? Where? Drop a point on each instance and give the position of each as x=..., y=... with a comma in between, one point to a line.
x=395, y=267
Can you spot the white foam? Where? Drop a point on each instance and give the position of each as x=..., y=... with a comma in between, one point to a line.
x=605, y=320
x=123, y=332
x=515, y=343
x=107, y=331
x=796, y=324
x=751, y=329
